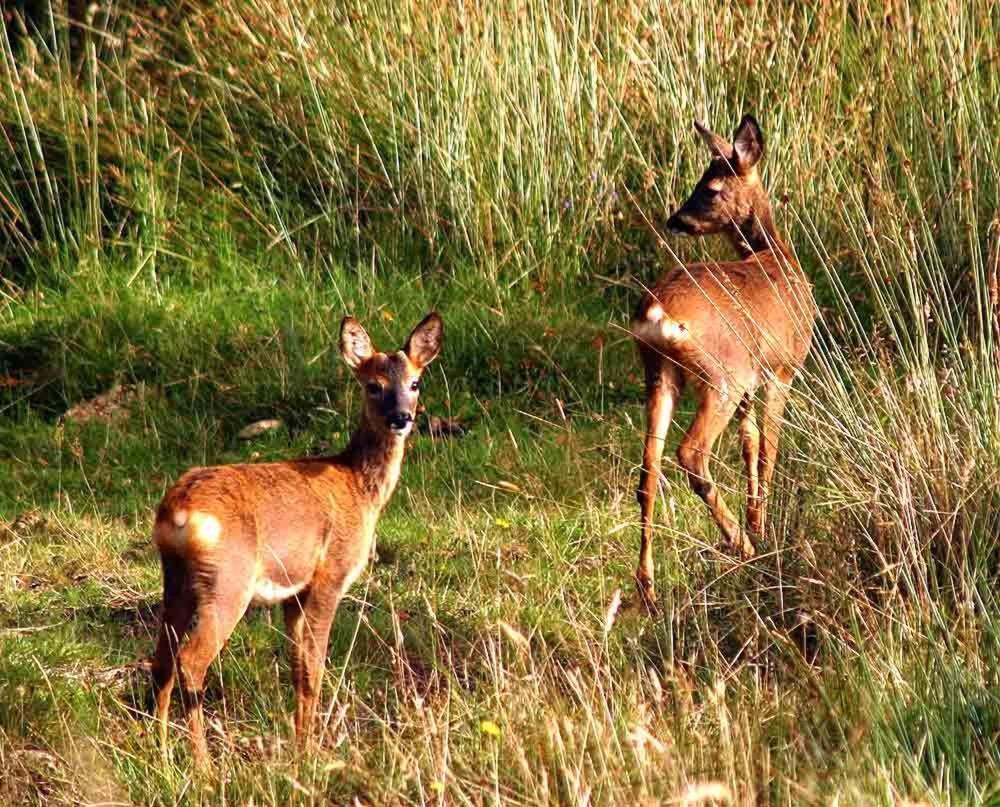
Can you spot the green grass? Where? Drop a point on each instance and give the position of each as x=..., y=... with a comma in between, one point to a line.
x=191, y=199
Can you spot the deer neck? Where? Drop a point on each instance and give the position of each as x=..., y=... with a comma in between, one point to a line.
x=756, y=233
x=375, y=454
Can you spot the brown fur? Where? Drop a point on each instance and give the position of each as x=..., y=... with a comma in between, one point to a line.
x=728, y=330
x=296, y=532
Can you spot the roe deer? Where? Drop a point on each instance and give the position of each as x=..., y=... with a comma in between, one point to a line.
x=727, y=329
x=296, y=532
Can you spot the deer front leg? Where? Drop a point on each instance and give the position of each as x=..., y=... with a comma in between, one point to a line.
x=750, y=441
x=308, y=619
x=776, y=393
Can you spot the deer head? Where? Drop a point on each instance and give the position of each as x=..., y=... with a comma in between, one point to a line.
x=391, y=381
x=729, y=198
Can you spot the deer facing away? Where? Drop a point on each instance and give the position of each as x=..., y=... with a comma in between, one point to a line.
x=728, y=330
x=296, y=532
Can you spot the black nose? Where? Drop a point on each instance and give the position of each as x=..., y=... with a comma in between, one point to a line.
x=399, y=420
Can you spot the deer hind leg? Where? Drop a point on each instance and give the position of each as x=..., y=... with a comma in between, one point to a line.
x=776, y=392
x=750, y=442
x=663, y=386
x=694, y=454
x=221, y=604
x=178, y=608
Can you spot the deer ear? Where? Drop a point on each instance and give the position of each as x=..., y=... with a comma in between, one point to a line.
x=424, y=344
x=748, y=143
x=355, y=344
x=717, y=145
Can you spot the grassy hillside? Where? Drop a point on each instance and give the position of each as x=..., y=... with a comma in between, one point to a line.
x=190, y=200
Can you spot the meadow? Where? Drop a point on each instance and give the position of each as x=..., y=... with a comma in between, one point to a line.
x=192, y=196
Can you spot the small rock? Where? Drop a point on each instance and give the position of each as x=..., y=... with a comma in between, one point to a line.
x=259, y=427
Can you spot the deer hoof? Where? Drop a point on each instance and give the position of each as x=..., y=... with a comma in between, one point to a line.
x=743, y=547
x=739, y=543
x=647, y=596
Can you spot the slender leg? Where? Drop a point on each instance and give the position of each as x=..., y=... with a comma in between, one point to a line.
x=776, y=392
x=178, y=608
x=694, y=455
x=750, y=441
x=308, y=619
x=221, y=605
x=663, y=387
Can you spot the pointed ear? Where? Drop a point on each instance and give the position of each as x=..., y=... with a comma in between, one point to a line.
x=748, y=143
x=355, y=345
x=719, y=146
x=424, y=344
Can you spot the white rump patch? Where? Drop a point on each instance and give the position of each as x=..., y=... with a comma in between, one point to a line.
x=195, y=530
x=204, y=529
x=655, y=327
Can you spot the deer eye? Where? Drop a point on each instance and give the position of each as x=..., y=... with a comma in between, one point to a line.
x=415, y=386
x=374, y=388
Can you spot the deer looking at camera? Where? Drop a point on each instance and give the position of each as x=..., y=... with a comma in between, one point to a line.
x=296, y=532
x=728, y=330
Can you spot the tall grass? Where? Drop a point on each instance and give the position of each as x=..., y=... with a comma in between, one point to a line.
x=191, y=197
x=516, y=138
